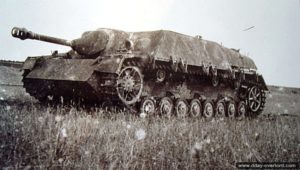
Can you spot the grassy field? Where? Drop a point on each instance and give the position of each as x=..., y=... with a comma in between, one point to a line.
x=38, y=137
x=33, y=136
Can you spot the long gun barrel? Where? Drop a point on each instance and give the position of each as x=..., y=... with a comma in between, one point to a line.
x=24, y=34
x=91, y=43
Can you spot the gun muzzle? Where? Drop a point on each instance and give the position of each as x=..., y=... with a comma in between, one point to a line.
x=21, y=33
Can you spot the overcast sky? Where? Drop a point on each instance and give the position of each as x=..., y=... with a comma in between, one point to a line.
x=273, y=42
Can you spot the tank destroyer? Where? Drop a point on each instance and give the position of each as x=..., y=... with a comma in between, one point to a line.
x=156, y=72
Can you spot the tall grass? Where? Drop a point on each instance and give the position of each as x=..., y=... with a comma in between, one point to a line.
x=57, y=137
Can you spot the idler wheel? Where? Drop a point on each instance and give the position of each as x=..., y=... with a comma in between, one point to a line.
x=195, y=108
x=148, y=106
x=130, y=85
x=208, y=110
x=231, y=109
x=256, y=99
x=242, y=110
x=220, y=108
x=181, y=108
x=166, y=106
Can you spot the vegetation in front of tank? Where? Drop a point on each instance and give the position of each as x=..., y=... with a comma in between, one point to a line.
x=51, y=137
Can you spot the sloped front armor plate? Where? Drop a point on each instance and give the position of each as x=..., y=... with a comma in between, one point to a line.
x=63, y=69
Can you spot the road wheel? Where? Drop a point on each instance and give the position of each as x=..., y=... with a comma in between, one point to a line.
x=220, y=109
x=148, y=106
x=241, y=110
x=181, y=108
x=231, y=109
x=195, y=108
x=166, y=106
x=208, y=110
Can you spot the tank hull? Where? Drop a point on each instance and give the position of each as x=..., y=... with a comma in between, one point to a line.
x=64, y=79
x=156, y=72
